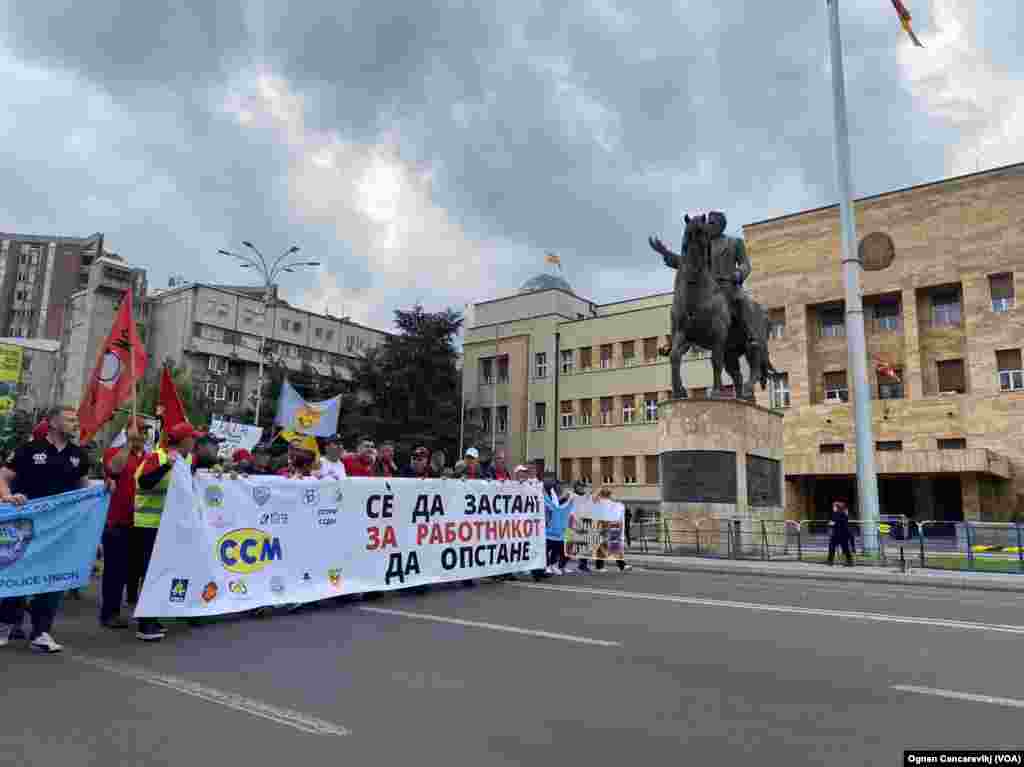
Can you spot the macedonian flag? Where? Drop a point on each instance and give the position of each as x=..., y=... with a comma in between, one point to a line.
x=904, y=14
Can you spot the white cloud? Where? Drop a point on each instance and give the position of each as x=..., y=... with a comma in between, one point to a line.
x=954, y=79
x=377, y=203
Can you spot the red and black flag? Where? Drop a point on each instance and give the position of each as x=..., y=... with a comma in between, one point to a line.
x=904, y=15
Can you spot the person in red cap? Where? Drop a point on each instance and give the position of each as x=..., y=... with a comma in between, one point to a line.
x=241, y=456
x=119, y=562
x=41, y=430
x=153, y=478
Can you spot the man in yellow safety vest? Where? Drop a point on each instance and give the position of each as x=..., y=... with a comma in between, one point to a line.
x=153, y=478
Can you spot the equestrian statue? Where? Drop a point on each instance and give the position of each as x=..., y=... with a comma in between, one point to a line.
x=711, y=310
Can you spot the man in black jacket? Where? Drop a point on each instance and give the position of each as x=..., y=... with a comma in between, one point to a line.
x=840, y=532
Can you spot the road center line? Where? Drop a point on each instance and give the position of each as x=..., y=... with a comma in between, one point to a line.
x=787, y=609
x=283, y=716
x=492, y=626
x=968, y=696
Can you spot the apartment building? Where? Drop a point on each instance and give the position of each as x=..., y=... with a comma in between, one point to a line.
x=555, y=378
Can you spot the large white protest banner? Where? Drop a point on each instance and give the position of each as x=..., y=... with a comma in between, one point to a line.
x=596, y=529
x=236, y=436
x=229, y=545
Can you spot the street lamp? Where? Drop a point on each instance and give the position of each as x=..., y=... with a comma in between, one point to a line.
x=269, y=271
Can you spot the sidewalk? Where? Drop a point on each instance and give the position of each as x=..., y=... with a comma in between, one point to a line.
x=808, y=571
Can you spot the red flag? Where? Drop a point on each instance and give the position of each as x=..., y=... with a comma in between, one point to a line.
x=172, y=412
x=904, y=15
x=120, y=363
x=885, y=370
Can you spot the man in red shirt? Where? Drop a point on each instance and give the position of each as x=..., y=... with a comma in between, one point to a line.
x=386, y=466
x=119, y=558
x=362, y=463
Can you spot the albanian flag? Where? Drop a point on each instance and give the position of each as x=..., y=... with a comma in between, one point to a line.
x=170, y=410
x=121, y=362
x=904, y=15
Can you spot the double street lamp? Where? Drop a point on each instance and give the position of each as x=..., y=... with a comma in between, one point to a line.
x=268, y=271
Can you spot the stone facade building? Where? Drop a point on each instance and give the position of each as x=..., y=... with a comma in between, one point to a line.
x=555, y=378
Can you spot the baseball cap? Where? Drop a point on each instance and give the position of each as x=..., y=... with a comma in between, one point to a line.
x=241, y=455
x=472, y=452
x=181, y=431
x=421, y=452
x=41, y=430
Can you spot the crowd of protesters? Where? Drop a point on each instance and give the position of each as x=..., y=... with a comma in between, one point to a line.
x=138, y=480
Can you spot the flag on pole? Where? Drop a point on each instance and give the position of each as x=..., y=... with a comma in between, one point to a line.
x=904, y=15
x=886, y=370
x=171, y=410
x=120, y=363
x=552, y=258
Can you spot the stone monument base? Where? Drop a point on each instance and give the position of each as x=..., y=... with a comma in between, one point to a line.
x=720, y=464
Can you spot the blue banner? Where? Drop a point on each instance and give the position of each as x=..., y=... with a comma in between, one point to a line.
x=50, y=544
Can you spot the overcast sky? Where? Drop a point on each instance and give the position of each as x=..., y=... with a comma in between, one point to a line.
x=434, y=151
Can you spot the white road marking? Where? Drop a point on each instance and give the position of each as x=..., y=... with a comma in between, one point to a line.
x=788, y=609
x=492, y=626
x=283, y=716
x=968, y=696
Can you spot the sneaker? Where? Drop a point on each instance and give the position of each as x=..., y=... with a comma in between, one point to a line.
x=152, y=632
x=549, y=570
x=6, y=630
x=44, y=643
x=627, y=568
x=559, y=571
x=117, y=622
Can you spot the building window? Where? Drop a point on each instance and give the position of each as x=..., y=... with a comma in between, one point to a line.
x=836, y=389
x=485, y=419
x=606, y=411
x=628, y=353
x=891, y=386
x=585, y=412
x=953, y=443
x=606, y=356
x=566, y=470
x=284, y=324
x=628, y=409
x=330, y=335
x=889, y=446
x=777, y=323
x=234, y=396
x=886, y=316
x=651, y=350
x=585, y=355
x=946, y=308
x=217, y=364
x=296, y=327
x=608, y=470
x=650, y=407
x=586, y=469
x=778, y=390
x=629, y=469
x=214, y=391
x=651, y=469
x=319, y=332
x=832, y=323
x=1001, y=287
x=487, y=370
x=503, y=369
x=831, y=447
x=567, y=361
x=502, y=419
x=540, y=415
x=211, y=334
x=540, y=365
x=951, y=376
x=568, y=418
x=1011, y=377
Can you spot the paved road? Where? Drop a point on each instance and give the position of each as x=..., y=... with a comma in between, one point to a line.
x=670, y=667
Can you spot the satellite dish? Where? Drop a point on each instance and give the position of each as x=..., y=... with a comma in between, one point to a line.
x=876, y=251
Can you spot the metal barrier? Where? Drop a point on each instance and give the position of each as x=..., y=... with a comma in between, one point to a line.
x=989, y=546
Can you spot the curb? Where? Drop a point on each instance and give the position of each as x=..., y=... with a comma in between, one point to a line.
x=961, y=582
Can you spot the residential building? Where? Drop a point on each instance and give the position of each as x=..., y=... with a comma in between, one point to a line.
x=38, y=273
x=215, y=331
x=39, y=362
x=558, y=379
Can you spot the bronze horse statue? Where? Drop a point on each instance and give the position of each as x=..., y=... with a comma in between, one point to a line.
x=703, y=316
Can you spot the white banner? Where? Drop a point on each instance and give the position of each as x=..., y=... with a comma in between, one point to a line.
x=596, y=529
x=236, y=436
x=231, y=545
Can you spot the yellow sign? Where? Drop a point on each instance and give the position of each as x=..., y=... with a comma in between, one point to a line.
x=10, y=362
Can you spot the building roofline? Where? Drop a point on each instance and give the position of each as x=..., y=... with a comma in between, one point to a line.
x=628, y=300
x=531, y=292
x=43, y=238
x=880, y=195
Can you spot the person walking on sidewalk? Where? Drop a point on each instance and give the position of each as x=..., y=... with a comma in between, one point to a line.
x=40, y=468
x=840, y=532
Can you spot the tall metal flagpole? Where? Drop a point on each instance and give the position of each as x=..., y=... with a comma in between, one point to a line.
x=867, y=479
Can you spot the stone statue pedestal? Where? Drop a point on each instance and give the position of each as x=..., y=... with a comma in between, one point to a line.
x=720, y=466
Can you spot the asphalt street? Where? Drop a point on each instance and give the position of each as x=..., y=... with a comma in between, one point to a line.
x=675, y=668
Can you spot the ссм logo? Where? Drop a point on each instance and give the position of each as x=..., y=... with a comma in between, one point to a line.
x=248, y=550
x=179, y=589
x=15, y=536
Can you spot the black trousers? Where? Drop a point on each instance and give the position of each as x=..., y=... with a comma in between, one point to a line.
x=119, y=565
x=556, y=554
x=844, y=542
x=143, y=540
x=42, y=609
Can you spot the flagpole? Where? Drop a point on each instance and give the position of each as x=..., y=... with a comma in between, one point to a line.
x=867, y=479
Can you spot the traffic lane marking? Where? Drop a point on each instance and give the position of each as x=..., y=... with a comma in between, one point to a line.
x=491, y=626
x=785, y=609
x=964, y=696
x=283, y=716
